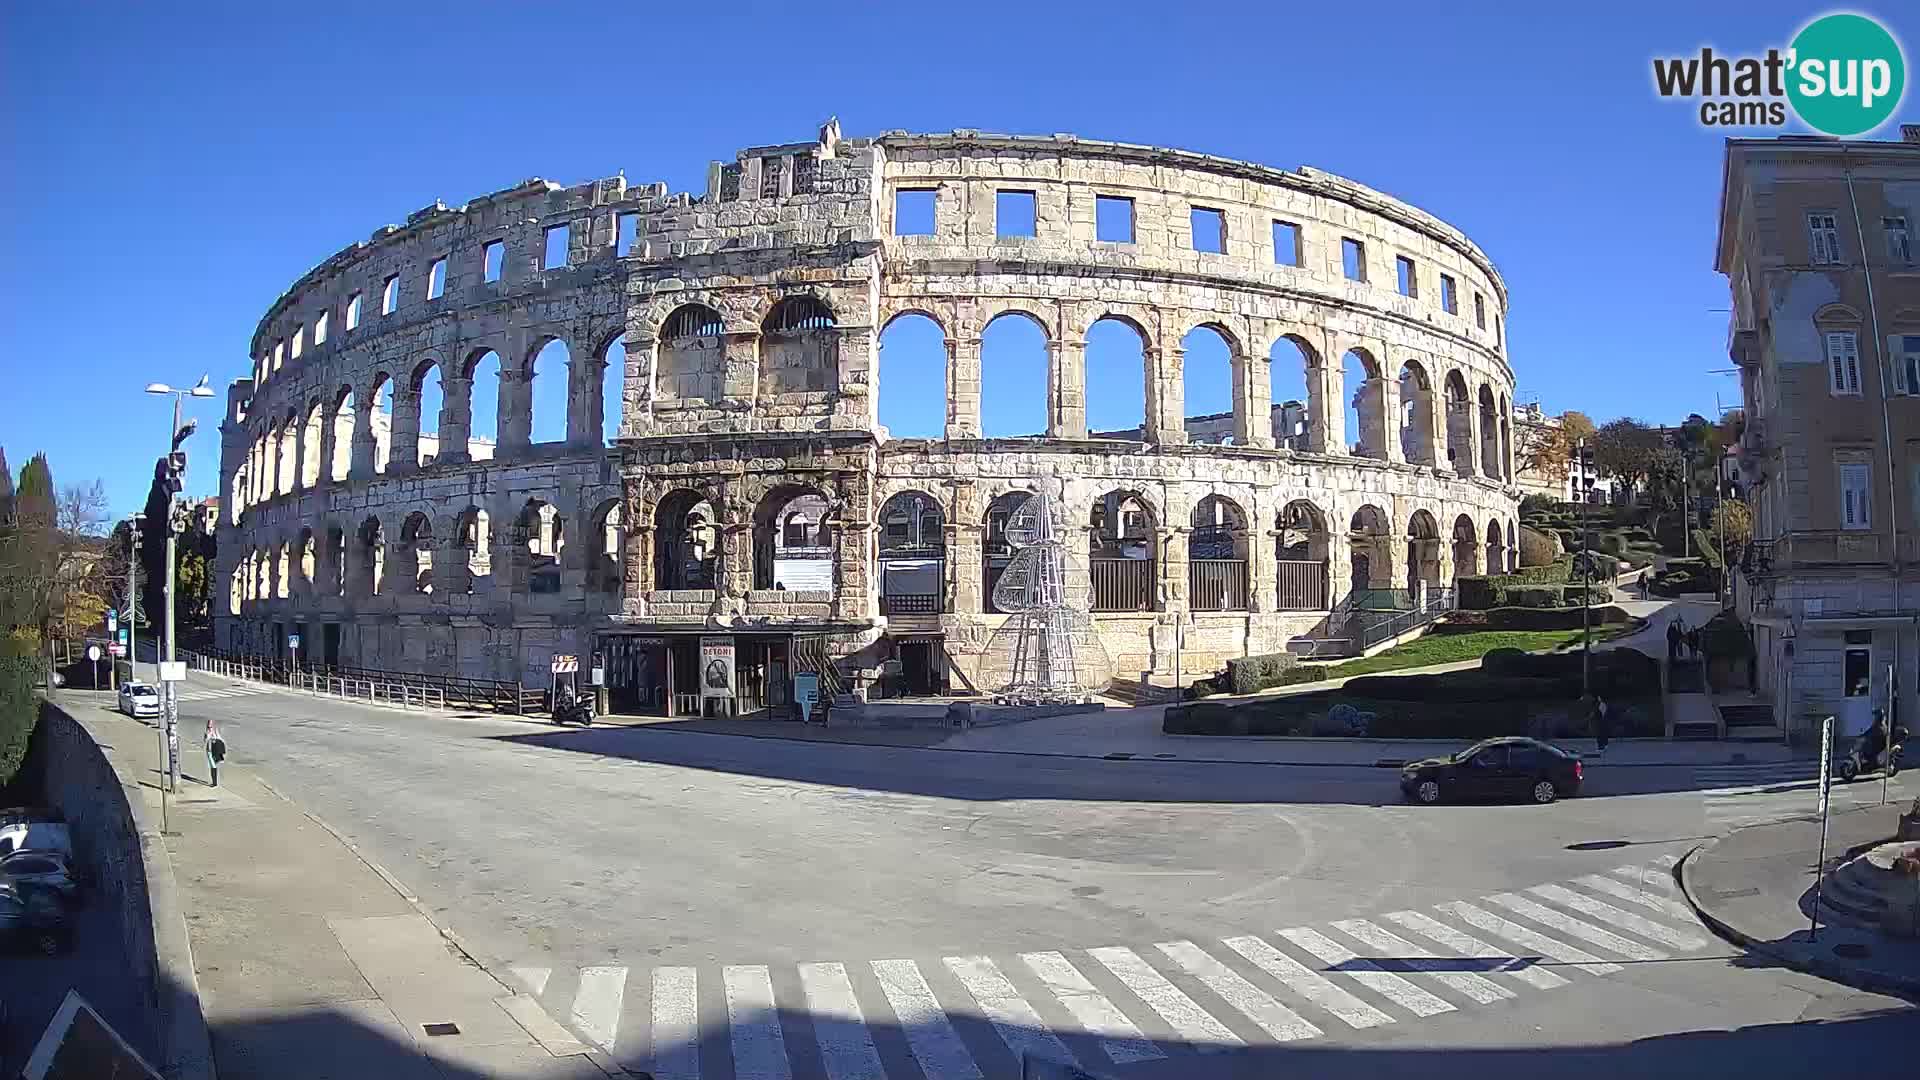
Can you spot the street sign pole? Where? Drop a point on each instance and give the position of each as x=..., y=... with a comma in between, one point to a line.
x=1826, y=786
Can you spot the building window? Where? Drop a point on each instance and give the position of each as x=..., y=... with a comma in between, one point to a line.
x=390, y=295
x=1899, y=244
x=493, y=258
x=1499, y=333
x=1209, y=230
x=1449, y=295
x=353, y=311
x=803, y=171
x=556, y=253
x=1353, y=259
x=1014, y=213
x=1823, y=238
x=1906, y=363
x=1286, y=243
x=1113, y=219
x=437, y=279
x=1479, y=311
x=1843, y=361
x=297, y=342
x=320, y=327
x=1406, y=279
x=627, y=227
x=1856, y=495
x=279, y=353
x=770, y=177
x=730, y=182
x=913, y=212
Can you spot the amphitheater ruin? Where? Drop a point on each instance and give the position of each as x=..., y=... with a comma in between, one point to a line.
x=615, y=421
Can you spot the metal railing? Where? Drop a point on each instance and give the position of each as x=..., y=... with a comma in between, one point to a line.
x=404, y=688
x=1822, y=547
x=1217, y=584
x=1122, y=584
x=1303, y=584
x=1383, y=624
x=686, y=704
x=911, y=604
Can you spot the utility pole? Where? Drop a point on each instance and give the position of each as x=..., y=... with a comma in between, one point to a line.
x=172, y=688
x=1586, y=577
x=133, y=594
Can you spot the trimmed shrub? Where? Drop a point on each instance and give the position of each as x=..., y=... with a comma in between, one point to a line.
x=1518, y=618
x=1542, y=596
x=1250, y=673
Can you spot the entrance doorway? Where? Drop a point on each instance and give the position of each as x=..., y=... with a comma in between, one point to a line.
x=1856, y=684
x=922, y=666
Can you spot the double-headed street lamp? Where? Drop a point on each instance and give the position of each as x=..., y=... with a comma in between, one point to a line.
x=173, y=466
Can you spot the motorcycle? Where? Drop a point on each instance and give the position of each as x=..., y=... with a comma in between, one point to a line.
x=1872, y=751
x=571, y=705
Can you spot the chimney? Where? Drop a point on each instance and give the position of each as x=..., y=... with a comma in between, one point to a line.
x=1910, y=133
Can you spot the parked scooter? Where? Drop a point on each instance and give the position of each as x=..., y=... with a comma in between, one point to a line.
x=1873, y=750
x=571, y=704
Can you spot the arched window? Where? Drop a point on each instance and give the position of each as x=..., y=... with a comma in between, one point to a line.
x=1116, y=382
x=1291, y=395
x=996, y=554
x=607, y=539
x=1466, y=548
x=1423, y=551
x=1367, y=420
x=1459, y=425
x=1415, y=424
x=1489, y=434
x=549, y=373
x=691, y=362
x=613, y=389
x=797, y=314
x=416, y=539
x=1217, y=556
x=799, y=351
x=483, y=405
x=913, y=377
x=536, y=549
x=685, y=541
x=475, y=541
x=373, y=557
x=1370, y=539
x=1013, y=377
x=793, y=541
x=1496, y=549
x=429, y=400
x=1301, y=547
x=341, y=417
x=1207, y=385
x=1123, y=546
x=912, y=555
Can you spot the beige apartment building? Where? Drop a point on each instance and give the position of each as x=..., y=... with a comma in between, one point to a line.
x=1817, y=240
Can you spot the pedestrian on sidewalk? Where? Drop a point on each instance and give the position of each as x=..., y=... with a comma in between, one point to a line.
x=1693, y=644
x=1673, y=641
x=1602, y=722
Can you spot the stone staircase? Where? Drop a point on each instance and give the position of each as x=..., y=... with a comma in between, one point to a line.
x=1866, y=894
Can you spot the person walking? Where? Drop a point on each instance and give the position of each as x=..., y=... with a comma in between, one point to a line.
x=1602, y=722
x=1673, y=642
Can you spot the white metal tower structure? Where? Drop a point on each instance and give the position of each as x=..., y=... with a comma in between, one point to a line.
x=1046, y=652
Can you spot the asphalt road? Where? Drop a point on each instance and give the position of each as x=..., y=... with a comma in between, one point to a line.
x=706, y=905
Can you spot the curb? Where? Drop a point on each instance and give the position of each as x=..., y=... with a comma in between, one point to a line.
x=1869, y=979
x=187, y=1049
x=452, y=937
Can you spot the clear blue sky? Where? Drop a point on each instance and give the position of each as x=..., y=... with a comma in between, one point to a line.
x=168, y=174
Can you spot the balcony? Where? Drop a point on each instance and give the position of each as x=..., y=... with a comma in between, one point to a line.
x=1820, y=549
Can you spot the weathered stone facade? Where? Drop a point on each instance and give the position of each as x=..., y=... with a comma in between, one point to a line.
x=750, y=317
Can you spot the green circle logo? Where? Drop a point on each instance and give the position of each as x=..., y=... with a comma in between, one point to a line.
x=1847, y=75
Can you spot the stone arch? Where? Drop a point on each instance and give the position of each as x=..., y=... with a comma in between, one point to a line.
x=1294, y=393
x=912, y=552
x=336, y=561
x=1506, y=442
x=1014, y=345
x=1370, y=539
x=540, y=405
x=686, y=540
x=1460, y=448
x=915, y=373
x=799, y=347
x=604, y=425
x=996, y=553
x=304, y=558
x=1123, y=550
x=690, y=355
x=535, y=550
x=340, y=422
x=1210, y=369
x=1367, y=402
x=287, y=453
x=1415, y=422
x=1116, y=375
x=1466, y=548
x=372, y=569
x=472, y=532
x=416, y=553
x=793, y=539
x=1423, y=551
x=428, y=391
x=606, y=548
x=1496, y=548
x=1489, y=434
x=310, y=444
x=1217, y=549
x=484, y=371
x=1302, y=546
x=379, y=418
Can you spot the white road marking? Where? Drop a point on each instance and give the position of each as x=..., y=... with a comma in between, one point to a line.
x=1274, y=1018
x=533, y=978
x=676, y=1024
x=839, y=1026
x=596, y=1005
x=759, y=1050
x=1623, y=891
x=1120, y=1040
x=1368, y=974
x=1520, y=935
x=1189, y=1021
x=1307, y=982
x=1666, y=860
x=1018, y=1023
x=1481, y=989
x=1658, y=880
x=1620, y=917
x=1585, y=931
x=1468, y=945
x=929, y=1034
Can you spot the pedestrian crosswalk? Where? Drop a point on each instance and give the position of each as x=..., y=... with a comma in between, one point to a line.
x=213, y=692
x=1741, y=795
x=975, y=1016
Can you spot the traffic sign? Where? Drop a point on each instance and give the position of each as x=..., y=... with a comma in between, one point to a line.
x=113, y=622
x=563, y=664
x=118, y=649
x=293, y=641
x=173, y=671
x=93, y=653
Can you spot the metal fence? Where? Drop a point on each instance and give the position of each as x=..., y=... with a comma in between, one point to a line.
x=1303, y=584
x=404, y=688
x=1217, y=584
x=1122, y=584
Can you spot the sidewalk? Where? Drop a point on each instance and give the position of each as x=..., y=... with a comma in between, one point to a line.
x=1751, y=886
x=312, y=963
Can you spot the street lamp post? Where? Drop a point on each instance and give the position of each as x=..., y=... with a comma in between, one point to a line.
x=170, y=700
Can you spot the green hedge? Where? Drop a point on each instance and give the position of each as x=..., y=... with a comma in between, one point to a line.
x=1518, y=618
x=1481, y=591
x=1308, y=714
x=1709, y=551
x=1251, y=673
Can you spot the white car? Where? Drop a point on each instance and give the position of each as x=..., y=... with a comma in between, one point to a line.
x=139, y=699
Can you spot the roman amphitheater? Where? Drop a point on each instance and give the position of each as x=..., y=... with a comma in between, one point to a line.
x=724, y=480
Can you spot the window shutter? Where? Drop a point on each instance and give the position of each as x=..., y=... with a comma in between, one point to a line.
x=1855, y=497
x=1836, y=362
x=1900, y=383
x=1853, y=367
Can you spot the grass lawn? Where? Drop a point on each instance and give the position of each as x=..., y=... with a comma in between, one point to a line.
x=1448, y=648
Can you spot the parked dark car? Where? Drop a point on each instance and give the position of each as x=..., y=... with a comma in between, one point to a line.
x=49, y=870
x=1496, y=769
x=34, y=917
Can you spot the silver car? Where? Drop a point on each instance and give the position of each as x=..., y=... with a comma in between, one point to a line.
x=48, y=870
x=139, y=699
